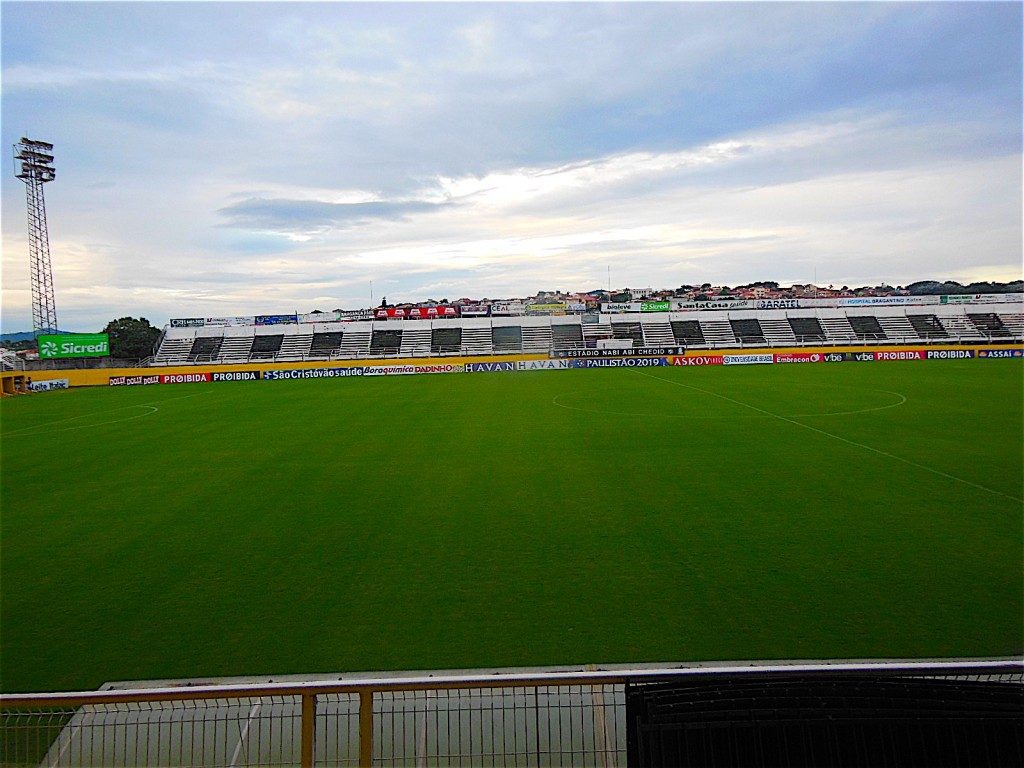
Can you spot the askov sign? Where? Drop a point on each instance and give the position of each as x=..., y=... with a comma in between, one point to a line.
x=64, y=345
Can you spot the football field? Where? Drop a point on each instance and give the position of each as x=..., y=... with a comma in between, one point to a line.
x=506, y=519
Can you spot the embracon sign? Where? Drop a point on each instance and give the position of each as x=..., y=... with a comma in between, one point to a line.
x=64, y=345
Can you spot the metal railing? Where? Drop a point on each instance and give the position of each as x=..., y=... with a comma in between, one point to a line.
x=573, y=718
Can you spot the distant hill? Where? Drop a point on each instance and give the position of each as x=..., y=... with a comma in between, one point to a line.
x=23, y=336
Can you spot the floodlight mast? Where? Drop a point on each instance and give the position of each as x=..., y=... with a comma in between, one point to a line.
x=34, y=166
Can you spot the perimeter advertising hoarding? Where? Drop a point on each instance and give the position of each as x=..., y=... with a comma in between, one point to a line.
x=319, y=317
x=474, y=310
x=620, y=362
x=406, y=370
x=61, y=346
x=544, y=365
x=185, y=378
x=654, y=306
x=347, y=315
x=799, y=357
x=950, y=354
x=1001, y=353
x=506, y=365
x=698, y=360
x=132, y=381
x=46, y=386
x=188, y=322
x=904, y=354
x=747, y=359
x=236, y=376
x=312, y=373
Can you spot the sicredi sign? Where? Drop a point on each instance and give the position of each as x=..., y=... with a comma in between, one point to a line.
x=64, y=345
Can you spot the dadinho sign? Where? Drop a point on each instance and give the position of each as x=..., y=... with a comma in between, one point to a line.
x=63, y=345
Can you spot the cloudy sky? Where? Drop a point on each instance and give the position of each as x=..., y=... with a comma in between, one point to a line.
x=255, y=158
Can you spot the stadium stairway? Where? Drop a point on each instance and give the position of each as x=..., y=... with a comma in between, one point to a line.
x=295, y=346
x=748, y=331
x=355, y=342
x=657, y=333
x=266, y=347
x=958, y=326
x=537, y=338
x=805, y=329
x=897, y=327
x=838, y=329
x=173, y=351
x=507, y=338
x=385, y=342
x=235, y=349
x=1014, y=323
x=205, y=348
x=866, y=327
x=778, y=332
x=325, y=345
x=717, y=333
x=477, y=340
x=446, y=341
x=928, y=326
x=565, y=336
x=987, y=325
x=415, y=341
x=687, y=333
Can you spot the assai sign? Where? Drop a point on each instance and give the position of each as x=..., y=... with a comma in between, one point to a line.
x=65, y=345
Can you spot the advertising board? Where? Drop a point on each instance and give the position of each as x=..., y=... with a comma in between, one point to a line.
x=576, y=306
x=319, y=317
x=620, y=362
x=551, y=308
x=185, y=378
x=312, y=373
x=543, y=365
x=654, y=306
x=885, y=301
x=188, y=322
x=350, y=315
x=407, y=370
x=690, y=306
x=983, y=298
x=61, y=346
x=904, y=354
x=505, y=365
x=474, y=310
x=698, y=360
x=747, y=359
x=620, y=306
x=997, y=354
x=276, y=319
x=508, y=308
x=799, y=357
x=236, y=376
x=950, y=354
x=46, y=386
x=778, y=304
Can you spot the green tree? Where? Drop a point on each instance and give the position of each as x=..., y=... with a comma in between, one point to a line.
x=130, y=338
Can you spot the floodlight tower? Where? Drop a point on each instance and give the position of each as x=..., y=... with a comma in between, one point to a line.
x=34, y=166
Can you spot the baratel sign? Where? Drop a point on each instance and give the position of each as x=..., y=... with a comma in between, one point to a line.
x=65, y=345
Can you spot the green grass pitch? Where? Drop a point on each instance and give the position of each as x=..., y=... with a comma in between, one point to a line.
x=449, y=521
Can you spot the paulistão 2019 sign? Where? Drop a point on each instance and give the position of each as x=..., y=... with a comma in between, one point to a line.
x=63, y=345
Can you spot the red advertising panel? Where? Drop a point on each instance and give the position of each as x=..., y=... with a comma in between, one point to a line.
x=903, y=354
x=391, y=313
x=698, y=360
x=184, y=378
x=799, y=357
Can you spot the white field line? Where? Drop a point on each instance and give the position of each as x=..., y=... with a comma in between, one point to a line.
x=901, y=401
x=788, y=420
x=243, y=734
x=24, y=430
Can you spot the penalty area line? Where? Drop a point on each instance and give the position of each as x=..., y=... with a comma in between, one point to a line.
x=888, y=455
